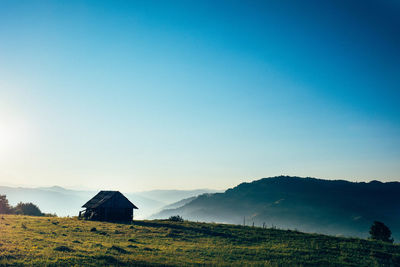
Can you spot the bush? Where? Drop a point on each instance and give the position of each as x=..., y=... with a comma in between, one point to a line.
x=27, y=209
x=176, y=218
x=5, y=207
x=21, y=208
x=379, y=231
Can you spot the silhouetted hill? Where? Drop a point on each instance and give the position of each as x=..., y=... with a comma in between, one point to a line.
x=179, y=203
x=313, y=205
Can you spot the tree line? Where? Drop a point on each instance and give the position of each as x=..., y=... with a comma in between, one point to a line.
x=21, y=208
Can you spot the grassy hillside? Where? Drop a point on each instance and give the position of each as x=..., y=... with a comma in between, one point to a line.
x=69, y=241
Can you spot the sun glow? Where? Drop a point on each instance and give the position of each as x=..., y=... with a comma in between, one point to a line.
x=13, y=136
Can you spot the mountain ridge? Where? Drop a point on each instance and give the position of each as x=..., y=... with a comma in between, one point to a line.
x=337, y=207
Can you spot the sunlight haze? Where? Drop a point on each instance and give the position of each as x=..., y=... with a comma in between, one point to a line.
x=141, y=95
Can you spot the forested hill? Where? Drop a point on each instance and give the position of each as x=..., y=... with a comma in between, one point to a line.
x=335, y=207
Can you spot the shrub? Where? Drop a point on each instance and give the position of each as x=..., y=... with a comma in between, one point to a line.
x=5, y=207
x=176, y=218
x=27, y=209
x=379, y=231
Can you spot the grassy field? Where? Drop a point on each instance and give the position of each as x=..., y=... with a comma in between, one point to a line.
x=42, y=241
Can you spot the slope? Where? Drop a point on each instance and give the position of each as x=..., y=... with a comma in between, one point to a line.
x=308, y=204
x=41, y=241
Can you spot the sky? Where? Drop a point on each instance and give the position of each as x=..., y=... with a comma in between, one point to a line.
x=140, y=95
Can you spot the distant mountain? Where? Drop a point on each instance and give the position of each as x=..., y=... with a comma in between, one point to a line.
x=178, y=204
x=57, y=200
x=312, y=205
x=67, y=202
x=56, y=189
x=171, y=196
x=165, y=198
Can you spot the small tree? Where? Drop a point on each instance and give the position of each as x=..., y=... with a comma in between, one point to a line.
x=27, y=209
x=175, y=218
x=379, y=231
x=4, y=205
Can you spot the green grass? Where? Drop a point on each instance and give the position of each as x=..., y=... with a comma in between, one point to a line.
x=42, y=241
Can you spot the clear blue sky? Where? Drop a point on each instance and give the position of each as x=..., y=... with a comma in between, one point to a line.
x=135, y=95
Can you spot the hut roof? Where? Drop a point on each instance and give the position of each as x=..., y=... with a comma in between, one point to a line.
x=102, y=197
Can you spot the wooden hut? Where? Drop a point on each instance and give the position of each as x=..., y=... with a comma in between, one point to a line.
x=108, y=206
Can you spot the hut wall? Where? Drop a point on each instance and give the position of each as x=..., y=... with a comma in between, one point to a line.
x=118, y=214
x=117, y=208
